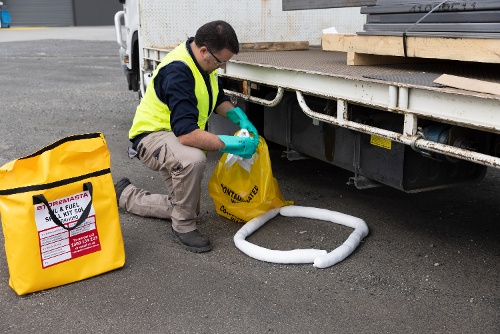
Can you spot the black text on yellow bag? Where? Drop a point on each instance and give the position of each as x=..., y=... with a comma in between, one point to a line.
x=59, y=214
x=242, y=191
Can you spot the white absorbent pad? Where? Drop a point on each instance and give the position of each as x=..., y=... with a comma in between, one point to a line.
x=319, y=258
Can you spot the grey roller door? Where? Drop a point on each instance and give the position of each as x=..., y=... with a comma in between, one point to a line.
x=96, y=12
x=41, y=12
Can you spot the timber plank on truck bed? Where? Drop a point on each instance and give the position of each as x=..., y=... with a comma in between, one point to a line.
x=484, y=50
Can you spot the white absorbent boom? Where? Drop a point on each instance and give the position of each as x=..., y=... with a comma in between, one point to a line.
x=319, y=258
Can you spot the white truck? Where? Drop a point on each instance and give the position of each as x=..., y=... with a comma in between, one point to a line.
x=388, y=124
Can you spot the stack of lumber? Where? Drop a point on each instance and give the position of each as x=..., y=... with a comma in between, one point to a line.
x=371, y=50
x=412, y=30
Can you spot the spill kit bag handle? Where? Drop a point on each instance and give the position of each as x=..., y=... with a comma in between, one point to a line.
x=38, y=199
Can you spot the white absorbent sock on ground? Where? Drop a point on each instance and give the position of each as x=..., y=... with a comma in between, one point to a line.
x=268, y=255
x=319, y=258
x=344, y=250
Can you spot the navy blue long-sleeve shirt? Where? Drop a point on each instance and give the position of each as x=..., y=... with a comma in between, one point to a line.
x=174, y=86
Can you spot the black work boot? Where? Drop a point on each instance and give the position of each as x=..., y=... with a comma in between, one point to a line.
x=192, y=241
x=119, y=187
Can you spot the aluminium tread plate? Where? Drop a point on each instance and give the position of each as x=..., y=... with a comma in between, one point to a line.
x=422, y=79
x=333, y=63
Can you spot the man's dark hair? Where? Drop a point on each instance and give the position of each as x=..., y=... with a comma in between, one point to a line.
x=217, y=35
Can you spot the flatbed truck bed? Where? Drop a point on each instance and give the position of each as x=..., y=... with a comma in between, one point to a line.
x=406, y=89
x=362, y=84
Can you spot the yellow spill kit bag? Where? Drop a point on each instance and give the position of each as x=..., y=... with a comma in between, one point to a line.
x=59, y=214
x=242, y=189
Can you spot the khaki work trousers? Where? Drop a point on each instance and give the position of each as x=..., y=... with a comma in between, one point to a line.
x=181, y=168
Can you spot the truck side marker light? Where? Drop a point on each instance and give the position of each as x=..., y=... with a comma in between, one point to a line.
x=319, y=258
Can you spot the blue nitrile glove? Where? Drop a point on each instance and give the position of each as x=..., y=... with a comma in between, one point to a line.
x=243, y=146
x=238, y=117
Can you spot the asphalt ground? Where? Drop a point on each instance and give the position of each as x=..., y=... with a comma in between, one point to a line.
x=429, y=265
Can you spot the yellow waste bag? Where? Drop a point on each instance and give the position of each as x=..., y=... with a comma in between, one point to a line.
x=244, y=190
x=59, y=214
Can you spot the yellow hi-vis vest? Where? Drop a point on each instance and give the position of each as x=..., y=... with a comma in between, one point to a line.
x=154, y=115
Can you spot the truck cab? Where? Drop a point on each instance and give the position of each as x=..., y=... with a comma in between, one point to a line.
x=127, y=35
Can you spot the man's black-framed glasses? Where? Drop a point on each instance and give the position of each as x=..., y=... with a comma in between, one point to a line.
x=216, y=60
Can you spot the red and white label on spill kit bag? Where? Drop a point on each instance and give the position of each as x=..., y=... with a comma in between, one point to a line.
x=58, y=244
